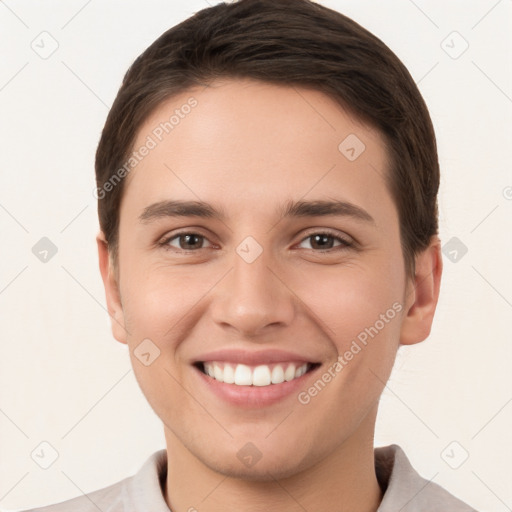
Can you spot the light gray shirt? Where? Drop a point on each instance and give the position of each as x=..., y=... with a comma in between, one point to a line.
x=405, y=489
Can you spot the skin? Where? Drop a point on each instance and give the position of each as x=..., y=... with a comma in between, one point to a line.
x=247, y=148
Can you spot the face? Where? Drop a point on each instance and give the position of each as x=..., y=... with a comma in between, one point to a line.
x=261, y=281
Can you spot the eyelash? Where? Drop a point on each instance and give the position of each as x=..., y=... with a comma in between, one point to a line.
x=344, y=243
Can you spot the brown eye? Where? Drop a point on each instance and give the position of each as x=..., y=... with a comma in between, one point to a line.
x=322, y=241
x=186, y=241
x=325, y=241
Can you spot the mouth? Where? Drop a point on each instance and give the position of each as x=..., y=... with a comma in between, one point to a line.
x=261, y=375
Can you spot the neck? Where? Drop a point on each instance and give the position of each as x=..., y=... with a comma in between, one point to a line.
x=342, y=481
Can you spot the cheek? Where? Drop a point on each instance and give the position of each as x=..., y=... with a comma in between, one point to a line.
x=360, y=312
x=153, y=310
x=156, y=306
x=349, y=299
x=162, y=302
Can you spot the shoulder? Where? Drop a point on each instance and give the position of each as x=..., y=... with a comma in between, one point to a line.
x=406, y=490
x=143, y=488
x=108, y=499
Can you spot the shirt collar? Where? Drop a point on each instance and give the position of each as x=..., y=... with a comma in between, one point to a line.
x=404, y=489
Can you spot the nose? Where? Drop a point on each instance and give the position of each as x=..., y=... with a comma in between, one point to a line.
x=253, y=299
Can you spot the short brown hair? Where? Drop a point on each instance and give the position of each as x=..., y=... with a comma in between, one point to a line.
x=287, y=42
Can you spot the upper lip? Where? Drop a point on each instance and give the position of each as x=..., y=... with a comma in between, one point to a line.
x=253, y=358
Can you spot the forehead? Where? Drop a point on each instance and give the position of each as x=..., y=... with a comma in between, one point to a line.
x=241, y=141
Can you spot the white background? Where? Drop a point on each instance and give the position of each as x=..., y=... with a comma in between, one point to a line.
x=66, y=381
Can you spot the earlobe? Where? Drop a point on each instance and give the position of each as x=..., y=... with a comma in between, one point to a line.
x=111, y=286
x=422, y=295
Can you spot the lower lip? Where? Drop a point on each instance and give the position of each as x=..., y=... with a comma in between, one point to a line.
x=255, y=396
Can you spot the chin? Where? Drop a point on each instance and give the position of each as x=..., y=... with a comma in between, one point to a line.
x=256, y=474
x=266, y=469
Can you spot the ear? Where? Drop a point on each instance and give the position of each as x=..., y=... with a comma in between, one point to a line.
x=422, y=294
x=114, y=305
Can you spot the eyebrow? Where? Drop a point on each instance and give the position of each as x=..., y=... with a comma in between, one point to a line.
x=179, y=209
x=318, y=208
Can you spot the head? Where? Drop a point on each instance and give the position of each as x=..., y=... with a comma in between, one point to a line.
x=315, y=153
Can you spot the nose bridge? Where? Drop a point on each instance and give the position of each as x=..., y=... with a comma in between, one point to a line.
x=252, y=280
x=253, y=297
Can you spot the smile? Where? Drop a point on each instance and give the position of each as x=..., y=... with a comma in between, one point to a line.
x=260, y=375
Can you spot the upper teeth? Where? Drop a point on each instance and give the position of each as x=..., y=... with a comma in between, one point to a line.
x=262, y=375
